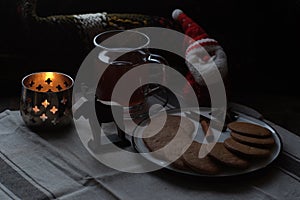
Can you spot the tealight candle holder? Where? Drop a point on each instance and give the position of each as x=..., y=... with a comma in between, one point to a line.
x=46, y=100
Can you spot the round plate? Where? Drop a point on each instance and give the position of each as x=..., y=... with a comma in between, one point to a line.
x=140, y=146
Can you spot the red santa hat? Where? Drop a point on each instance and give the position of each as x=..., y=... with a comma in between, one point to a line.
x=202, y=53
x=189, y=27
x=197, y=36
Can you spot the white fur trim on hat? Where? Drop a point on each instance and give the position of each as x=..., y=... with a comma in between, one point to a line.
x=198, y=68
x=176, y=13
x=201, y=43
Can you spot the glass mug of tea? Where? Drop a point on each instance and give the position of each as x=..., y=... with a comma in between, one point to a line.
x=120, y=51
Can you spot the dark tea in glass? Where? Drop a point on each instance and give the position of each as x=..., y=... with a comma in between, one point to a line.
x=119, y=52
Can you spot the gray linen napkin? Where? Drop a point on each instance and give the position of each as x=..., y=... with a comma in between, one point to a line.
x=57, y=166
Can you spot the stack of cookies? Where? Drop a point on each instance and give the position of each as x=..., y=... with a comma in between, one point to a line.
x=247, y=143
x=249, y=140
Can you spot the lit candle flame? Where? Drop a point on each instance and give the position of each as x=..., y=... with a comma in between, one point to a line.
x=49, y=75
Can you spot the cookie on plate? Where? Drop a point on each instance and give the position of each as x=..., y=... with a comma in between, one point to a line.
x=180, y=164
x=202, y=165
x=249, y=129
x=252, y=141
x=175, y=149
x=155, y=141
x=159, y=121
x=245, y=150
x=179, y=136
x=220, y=153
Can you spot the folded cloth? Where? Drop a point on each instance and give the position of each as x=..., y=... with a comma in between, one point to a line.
x=48, y=165
x=57, y=166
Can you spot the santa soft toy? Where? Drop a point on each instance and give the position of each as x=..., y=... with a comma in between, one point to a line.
x=203, y=55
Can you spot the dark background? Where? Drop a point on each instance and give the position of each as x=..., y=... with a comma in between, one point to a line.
x=261, y=39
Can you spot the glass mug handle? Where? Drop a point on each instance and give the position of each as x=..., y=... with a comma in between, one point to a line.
x=157, y=89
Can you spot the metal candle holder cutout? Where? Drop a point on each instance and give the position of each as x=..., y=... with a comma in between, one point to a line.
x=46, y=100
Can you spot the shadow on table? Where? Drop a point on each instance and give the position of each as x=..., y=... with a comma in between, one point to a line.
x=56, y=133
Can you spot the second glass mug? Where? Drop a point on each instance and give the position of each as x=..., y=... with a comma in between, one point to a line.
x=126, y=50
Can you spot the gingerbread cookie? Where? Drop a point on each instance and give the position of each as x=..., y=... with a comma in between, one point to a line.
x=245, y=150
x=249, y=129
x=155, y=141
x=170, y=120
x=179, y=144
x=226, y=157
x=202, y=165
x=171, y=132
x=251, y=141
x=179, y=164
